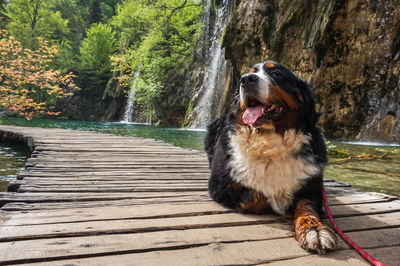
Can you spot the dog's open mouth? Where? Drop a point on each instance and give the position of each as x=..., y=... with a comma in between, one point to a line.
x=256, y=109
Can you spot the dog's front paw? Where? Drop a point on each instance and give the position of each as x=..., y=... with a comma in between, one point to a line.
x=319, y=238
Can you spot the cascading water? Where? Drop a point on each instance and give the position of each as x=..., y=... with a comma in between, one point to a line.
x=215, y=67
x=130, y=102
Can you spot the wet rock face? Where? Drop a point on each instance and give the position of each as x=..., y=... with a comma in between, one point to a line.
x=349, y=51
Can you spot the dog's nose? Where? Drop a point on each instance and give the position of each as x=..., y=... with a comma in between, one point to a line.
x=248, y=79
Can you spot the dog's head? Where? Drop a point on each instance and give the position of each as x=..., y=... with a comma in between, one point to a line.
x=273, y=97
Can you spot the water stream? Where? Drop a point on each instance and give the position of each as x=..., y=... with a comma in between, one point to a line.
x=130, y=104
x=215, y=67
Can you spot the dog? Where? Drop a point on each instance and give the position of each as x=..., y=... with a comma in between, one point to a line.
x=267, y=154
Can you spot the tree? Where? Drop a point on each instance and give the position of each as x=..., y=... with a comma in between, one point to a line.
x=3, y=23
x=95, y=64
x=27, y=84
x=29, y=19
x=95, y=15
x=97, y=48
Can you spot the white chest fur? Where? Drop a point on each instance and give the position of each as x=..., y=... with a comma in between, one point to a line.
x=267, y=162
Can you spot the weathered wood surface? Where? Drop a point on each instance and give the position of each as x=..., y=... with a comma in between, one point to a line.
x=95, y=199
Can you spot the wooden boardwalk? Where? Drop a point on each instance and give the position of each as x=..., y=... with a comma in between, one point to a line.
x=94, y=199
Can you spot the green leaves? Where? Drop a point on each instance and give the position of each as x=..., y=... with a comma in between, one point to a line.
x=29, y=19
x=156, y=36
x=97, y=48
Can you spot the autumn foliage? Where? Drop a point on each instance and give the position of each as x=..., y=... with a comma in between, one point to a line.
x=28, y=85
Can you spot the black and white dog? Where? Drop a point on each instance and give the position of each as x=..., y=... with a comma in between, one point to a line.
x=268, y=155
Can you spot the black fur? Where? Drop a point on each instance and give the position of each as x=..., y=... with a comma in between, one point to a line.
x=222, y=187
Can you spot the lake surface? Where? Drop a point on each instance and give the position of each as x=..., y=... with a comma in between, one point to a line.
x=366, y=166
x=12, y=159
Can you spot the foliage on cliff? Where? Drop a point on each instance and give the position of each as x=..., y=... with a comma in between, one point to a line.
x=157, y=38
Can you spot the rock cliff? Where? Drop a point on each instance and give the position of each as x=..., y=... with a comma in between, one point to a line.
x=349, y=51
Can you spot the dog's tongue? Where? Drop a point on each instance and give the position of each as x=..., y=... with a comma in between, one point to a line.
x=251, y=114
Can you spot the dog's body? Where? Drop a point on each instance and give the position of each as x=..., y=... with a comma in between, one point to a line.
x=268, y=155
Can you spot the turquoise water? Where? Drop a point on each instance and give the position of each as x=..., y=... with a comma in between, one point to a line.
x=366, y=166
x=12, y=160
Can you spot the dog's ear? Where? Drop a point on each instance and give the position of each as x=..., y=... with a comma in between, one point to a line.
x=310, y=115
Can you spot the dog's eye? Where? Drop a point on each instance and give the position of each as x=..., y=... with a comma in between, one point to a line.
x=273, y=74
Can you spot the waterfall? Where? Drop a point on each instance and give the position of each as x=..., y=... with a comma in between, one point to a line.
x=130, y=101
x=215, y=67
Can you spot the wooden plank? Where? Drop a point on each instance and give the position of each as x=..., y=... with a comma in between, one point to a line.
x=377, y=238
x=99, y=186
x=129, y=163
x=105, y=181
x=116, y=179
x=358, y=198
x=126, y=162
x=140, y=242
x=110, y=189
x=390, y=256
x=372, y=221
x=22, y=206
x=362, y=209
x=52, y=197
x=109, y=174
x=13, y=233
x=120, y=171
x=247, y=253
x=103, y=226
x=112, y=160
x=105, y=213
x=62, y=168
x=241, y=253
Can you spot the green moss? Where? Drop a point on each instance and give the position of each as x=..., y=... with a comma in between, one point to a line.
x=187, y=114
x=395, y=151
x=213, y=6
x=338, y=153
x=229, y=30
x=334, y=151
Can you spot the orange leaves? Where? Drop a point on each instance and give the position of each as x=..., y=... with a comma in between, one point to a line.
x=27, y=81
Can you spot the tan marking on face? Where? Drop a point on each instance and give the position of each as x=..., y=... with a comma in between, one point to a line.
x=269, y=65
x=280, y=93
x=266, y=126
x=252, y=70
x=242, y=106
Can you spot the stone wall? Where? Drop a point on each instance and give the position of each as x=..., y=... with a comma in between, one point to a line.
x=348, y=50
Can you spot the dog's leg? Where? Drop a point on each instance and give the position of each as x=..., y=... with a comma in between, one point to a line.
x=236, y=196
x=310, y=231
x=253, y=202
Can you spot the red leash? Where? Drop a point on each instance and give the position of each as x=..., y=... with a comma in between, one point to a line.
x=353, y=244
